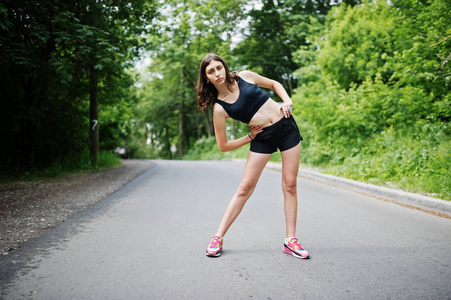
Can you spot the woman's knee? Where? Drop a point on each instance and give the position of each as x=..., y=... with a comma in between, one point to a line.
x=245, y=189
x=289, y=186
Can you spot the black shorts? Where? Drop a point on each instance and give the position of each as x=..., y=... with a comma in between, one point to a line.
x=283, y=135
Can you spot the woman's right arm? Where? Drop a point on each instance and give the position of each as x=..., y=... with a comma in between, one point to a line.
x=219, y=120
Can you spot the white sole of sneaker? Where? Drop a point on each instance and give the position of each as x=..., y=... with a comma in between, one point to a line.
x=213, y=255
x=289, y=251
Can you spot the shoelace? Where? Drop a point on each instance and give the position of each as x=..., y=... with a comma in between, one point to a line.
x=296, y=244
x=214, y=243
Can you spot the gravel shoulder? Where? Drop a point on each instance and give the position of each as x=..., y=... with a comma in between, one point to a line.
x=29, y=209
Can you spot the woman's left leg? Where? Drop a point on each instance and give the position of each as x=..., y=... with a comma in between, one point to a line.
x=290, y=167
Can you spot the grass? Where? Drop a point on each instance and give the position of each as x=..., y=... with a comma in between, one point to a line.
x=407, y=162
x=417, y=163
x=72, y=164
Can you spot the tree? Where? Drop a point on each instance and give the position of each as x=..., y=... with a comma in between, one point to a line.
x=423, y=54
x=186, y=33
x=35, y=75
x=276, y=31
x=358, y=42
x=54, y=55
x=375, y=93
x=118, y=32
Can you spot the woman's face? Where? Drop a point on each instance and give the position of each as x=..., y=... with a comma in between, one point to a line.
x=215, y=72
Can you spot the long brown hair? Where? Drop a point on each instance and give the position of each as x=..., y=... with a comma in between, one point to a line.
x=206, y=92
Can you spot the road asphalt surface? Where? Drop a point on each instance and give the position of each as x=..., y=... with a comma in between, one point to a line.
x=147, y=241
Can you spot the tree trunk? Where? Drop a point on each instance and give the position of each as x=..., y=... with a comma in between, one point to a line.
x=181, y=128
x=209, y=122
x=27, y=128
x=233, y=129
x=290, y=87
x=94, y=116
x=168, y=142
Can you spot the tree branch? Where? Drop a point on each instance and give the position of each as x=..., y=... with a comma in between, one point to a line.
x=444, y=63
x=447, y=38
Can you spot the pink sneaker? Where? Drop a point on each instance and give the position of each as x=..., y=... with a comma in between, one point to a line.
x=215, y=247
x=292, y=246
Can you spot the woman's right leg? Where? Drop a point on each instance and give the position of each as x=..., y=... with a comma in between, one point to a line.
x=255, y=164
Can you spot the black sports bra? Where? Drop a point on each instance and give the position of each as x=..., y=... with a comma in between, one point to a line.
x=251, y=98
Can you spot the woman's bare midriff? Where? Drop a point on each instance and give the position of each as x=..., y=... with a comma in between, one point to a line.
x=267, y=114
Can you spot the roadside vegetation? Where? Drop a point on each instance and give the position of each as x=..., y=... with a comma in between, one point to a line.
x=370, y=82
x=72, y=164
x=373, y=98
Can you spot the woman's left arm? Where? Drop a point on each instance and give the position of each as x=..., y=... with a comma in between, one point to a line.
x=262, y=81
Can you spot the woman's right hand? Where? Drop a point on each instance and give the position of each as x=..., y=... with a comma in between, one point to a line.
x=285, y=109
x=255, y=129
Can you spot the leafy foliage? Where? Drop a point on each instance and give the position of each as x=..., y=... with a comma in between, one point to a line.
x=50, y=51
x=370, y=81
x=376, y=103
x=185, y=34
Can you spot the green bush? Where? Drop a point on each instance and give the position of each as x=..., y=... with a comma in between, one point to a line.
x=378, y=134
x=207, y=149
x=79, y=162
x=373, y=97
x=417, y=162
x=109, y=159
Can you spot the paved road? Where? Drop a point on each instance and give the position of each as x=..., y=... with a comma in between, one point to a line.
x=147, y=241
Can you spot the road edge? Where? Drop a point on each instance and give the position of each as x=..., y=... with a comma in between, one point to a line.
x=427, y=204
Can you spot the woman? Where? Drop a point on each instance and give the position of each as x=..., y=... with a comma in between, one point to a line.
x=272, y=127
